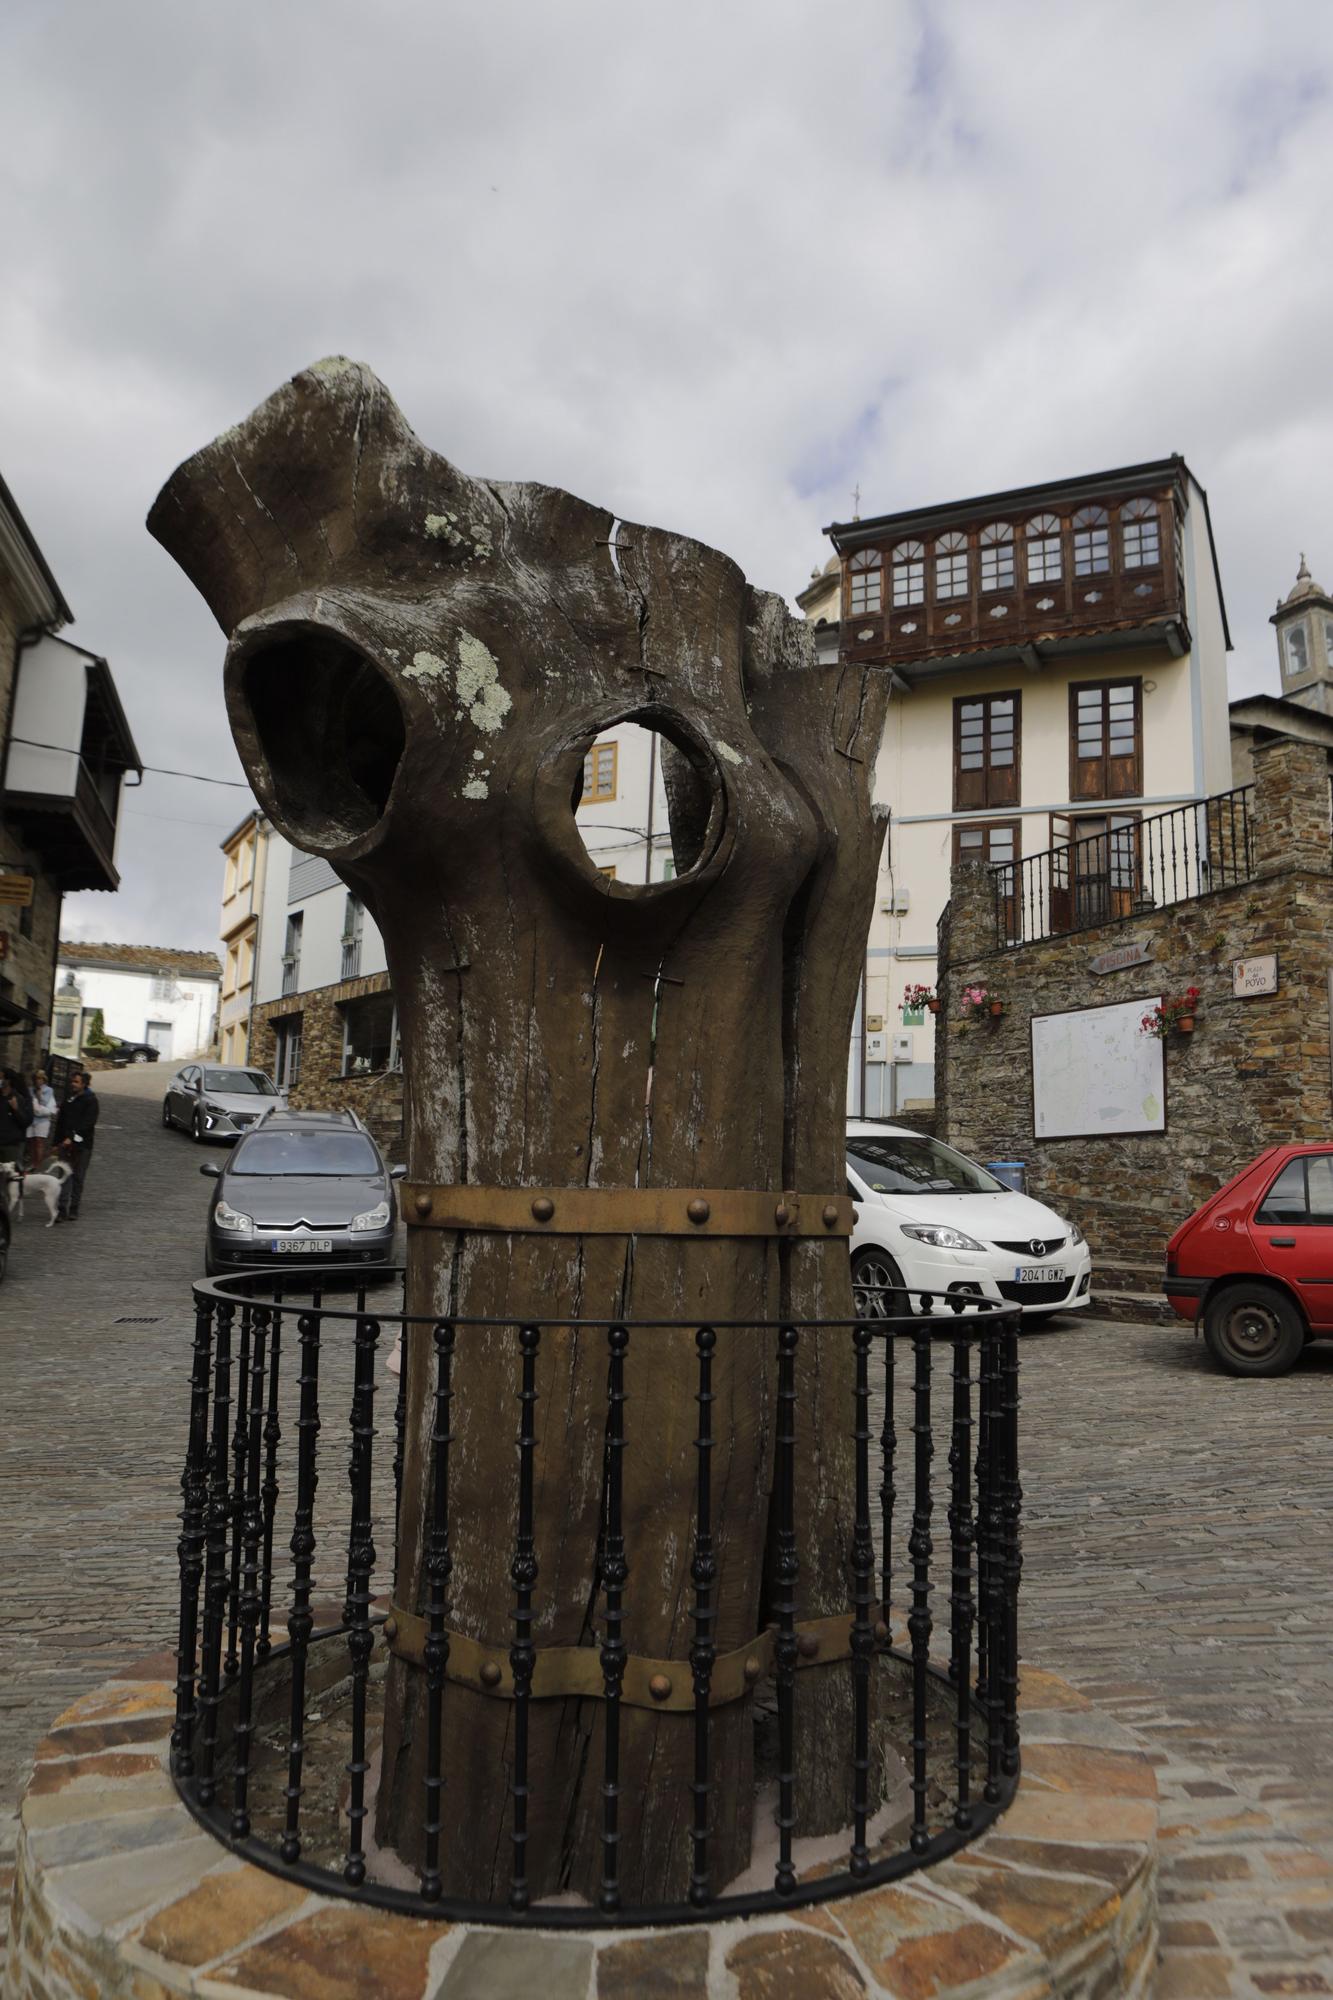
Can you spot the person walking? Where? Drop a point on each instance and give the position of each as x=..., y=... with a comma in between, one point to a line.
x=15, y=1117
x=44, y=1109
x=76, y=1122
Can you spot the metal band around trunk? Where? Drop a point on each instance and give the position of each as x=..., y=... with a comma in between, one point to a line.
x=562, y=1672
x=558, y=1211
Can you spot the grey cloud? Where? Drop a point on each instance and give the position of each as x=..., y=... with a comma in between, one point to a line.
x=669, y=261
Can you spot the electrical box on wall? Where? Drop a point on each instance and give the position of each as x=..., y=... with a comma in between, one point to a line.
x=875, y=1048
x=902, y=1048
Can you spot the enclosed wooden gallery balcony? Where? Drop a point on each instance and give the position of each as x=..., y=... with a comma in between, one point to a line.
x=1082, y=565
x=69, y=750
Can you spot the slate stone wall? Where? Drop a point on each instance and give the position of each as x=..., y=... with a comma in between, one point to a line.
x=1254, y=1073
x=377, y=1098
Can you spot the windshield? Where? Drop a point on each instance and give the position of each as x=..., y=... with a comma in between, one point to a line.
x=905, y=1163
x=239, y=1082
x=309, y=1154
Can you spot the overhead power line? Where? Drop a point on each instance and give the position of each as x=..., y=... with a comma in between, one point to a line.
x=157, y=770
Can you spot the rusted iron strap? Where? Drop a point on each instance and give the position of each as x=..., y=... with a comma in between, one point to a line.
x=562, y=1672
x=626, y=1211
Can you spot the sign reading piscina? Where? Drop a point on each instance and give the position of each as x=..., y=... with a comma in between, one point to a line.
x=1124, y=955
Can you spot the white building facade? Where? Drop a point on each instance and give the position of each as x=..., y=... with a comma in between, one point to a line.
x=163, y=998
x=1058, y=663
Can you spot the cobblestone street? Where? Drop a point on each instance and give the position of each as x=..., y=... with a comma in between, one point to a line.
x=1176, y=1554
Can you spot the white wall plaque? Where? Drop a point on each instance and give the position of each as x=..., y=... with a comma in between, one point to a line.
x=1254, y=975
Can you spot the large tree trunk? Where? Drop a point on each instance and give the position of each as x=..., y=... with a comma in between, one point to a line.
x=418, y=664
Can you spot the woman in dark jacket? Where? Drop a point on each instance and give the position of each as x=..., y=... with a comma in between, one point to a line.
x=15, y=1117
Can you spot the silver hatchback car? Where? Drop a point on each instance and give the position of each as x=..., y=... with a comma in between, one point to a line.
x=218, y=1100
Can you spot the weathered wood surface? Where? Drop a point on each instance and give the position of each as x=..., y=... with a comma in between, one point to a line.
x=418, y=662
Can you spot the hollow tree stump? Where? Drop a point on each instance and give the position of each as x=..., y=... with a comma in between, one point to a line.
x=418, y=663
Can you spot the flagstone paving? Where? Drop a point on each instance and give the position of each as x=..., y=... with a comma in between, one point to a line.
x=1177, y=1565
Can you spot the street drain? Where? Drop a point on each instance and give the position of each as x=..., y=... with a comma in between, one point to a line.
x=138, y=1319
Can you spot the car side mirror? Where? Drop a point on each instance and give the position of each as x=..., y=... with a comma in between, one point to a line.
x=211, y=1170
x=398, y=1173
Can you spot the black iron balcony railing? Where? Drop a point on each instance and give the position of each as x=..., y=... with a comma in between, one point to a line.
x=1126, y=868
x=252, y=1634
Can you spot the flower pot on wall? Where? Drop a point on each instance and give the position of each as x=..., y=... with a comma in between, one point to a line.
x=1185, y=1024
x=934, y=1006
x=997, y=1008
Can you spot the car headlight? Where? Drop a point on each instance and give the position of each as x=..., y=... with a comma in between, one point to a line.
x=232, y=1219
x=1076, y=1235
x=374, y=1218
x=940, y=1238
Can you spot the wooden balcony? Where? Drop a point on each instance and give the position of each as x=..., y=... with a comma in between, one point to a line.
x=996, y=585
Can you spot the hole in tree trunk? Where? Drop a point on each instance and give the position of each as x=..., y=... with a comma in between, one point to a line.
x=331, y=728
x=646, y=804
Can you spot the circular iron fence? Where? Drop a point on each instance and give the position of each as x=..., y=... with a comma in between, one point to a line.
x=255, y=1636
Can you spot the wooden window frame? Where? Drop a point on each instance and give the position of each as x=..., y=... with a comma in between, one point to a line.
x=598, y=798
x=907, y=571
x=1065, y=888
x=865, y=570
x=988, y=826
x=996, y=543
x=1136, y=523
x=985, y=803
x=1077, y=796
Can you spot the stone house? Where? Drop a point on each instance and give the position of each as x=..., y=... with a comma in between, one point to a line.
x=1247, y=920
x=1058, y=658
x=65, y=750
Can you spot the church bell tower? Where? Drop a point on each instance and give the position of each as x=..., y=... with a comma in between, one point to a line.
x=1304, y=621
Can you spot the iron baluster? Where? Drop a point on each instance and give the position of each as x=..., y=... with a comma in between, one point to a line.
x=615, y=1574
x=361, y=1563
x=961, y=1534
x=240, y=1437
x=919, y=1619
x=786, y=1570
x=190, y=1546
x=863, y=1598
x=359, y=1445
x=300, y=1622
x=215, y=1555
x=269, y=1490
x=703, y=1574
x=888, y=1492
x=1011, y=1507
x=522, y=1654
x=252, y=1532
x=439, y=1568
x=399, y=1433
x=992, y=1590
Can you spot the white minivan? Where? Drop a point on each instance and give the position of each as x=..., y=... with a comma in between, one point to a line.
x=930, y=1220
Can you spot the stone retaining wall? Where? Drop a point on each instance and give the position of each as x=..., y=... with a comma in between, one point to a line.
x=119, y=1895
x=377, y=1098
x=1255, y=1072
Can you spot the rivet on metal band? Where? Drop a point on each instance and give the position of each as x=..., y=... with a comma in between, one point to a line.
x=583, y=1211
x=562, y=1672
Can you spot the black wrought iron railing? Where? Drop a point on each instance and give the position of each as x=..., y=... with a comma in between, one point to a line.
x=1127, y=868
x=285, y=1581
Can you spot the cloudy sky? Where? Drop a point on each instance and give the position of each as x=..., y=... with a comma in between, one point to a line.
x=713, y=265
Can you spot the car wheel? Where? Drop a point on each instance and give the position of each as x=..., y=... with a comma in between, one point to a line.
x=877, y=1286
x=197, y=1129
x=1253, y=1330
x=166, y=1115
x=140, y=1057
x=4, y=1257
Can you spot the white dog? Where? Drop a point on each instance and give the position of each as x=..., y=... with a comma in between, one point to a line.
x=47, y=1185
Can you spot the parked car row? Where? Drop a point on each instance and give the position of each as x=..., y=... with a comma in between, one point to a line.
x=933, y=1230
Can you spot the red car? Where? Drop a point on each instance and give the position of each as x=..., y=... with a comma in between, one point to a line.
x=1255, y=1263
